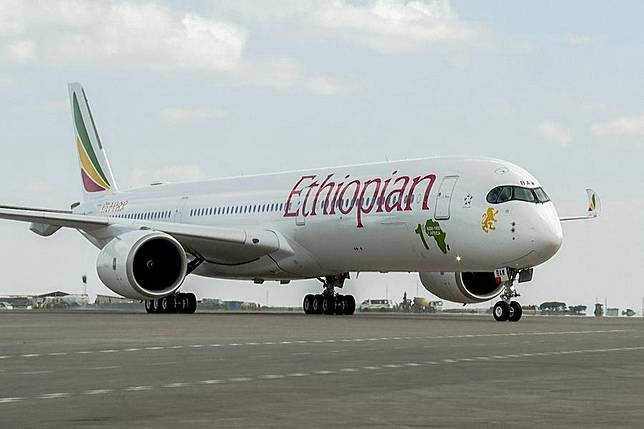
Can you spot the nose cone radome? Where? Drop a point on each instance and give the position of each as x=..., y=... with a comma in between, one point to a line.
x=548, y=235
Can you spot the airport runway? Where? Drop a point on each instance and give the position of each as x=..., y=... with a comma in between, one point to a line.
x=90, y=369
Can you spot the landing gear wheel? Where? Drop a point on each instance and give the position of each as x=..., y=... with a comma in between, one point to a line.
x=350, y=305
x=180, y=303
x=516, y=311
x=340, y=304
x=328, y=305
x=149, y=305
x=192, y=303
x=501, y=311
x=317, y=304
x=307, y=305
x=167, y=304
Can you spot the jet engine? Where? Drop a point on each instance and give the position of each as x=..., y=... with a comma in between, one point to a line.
x=465, y=288
x=143, y=265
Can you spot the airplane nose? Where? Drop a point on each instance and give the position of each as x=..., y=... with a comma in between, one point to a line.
x=549, y=236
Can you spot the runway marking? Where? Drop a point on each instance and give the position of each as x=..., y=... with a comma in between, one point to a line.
x=98, y=392
x=402, y=366
x=240, y=379
x=162, y=363
x=175, y=385
x=54, y=395
x=102, y=368
x=34, y=372
x=272, y=376
x=331, y=340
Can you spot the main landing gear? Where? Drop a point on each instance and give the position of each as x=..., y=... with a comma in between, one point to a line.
x=506, y=309
x=328, y=302
x=177, y=303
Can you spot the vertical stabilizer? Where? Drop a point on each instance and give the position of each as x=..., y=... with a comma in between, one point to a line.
x=96, y=174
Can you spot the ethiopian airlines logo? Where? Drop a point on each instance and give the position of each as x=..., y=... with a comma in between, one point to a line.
x=313, y=196
x=94, y=178
x=489, y=220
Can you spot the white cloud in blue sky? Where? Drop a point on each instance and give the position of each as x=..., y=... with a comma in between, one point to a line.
x=185, y=90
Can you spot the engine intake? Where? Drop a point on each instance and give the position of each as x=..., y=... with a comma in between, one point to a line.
x=143, y=265
x=464, y=288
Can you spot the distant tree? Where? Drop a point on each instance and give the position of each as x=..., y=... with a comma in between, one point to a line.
x=578, y=310
x=553, y=307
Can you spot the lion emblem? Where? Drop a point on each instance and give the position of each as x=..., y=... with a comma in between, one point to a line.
x=489, y=219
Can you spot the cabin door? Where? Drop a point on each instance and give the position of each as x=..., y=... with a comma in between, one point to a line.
x=445, y=197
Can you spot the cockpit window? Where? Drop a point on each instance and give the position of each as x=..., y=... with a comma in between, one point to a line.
x=542, y=197
x=524, y=194
x=502, y=194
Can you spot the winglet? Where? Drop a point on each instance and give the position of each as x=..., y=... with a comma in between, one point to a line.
x=594, y=207
x=594, y=203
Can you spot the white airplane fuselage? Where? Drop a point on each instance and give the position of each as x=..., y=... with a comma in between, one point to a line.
x=426, y=215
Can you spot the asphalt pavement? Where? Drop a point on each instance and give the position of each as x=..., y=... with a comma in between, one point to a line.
x=95, y=370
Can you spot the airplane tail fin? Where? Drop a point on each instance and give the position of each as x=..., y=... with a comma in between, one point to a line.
x=96, y=174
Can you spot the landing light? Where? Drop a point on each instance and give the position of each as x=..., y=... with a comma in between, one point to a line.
x=458, y=259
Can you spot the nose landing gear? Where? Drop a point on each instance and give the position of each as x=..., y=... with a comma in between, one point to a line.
x=506, y=309
x=328, y=302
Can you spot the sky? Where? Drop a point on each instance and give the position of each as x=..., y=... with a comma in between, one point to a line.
x=186, y=90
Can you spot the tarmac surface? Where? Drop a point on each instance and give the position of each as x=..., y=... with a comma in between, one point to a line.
x=95, y=370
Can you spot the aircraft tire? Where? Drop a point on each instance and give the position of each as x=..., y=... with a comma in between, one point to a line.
x=516, y=311
x=149, y=306
x=501, y=311
x=307, y=305
x=317, y=304
x=350, y=305
x=167, y=304
x=340, y=304
x=328, y=305
x=192, y=303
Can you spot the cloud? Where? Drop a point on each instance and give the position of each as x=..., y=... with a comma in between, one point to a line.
x=175, y=114
x=386, y=26
x=573, y=39
x=173, y=173
x=555, y=132
x=120, y=34
x=330, y=86
x=624, y=126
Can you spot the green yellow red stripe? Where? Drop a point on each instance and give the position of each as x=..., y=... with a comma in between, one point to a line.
x=88, y=167
x=83, y=136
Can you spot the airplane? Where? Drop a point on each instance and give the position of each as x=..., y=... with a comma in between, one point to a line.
x=471, y=227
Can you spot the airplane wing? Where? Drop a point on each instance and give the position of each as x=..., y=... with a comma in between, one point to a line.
x=215, y=244
x=594, y=208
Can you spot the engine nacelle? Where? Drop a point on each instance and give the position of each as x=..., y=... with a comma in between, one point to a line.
x=465, y=288
x=143, y=265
